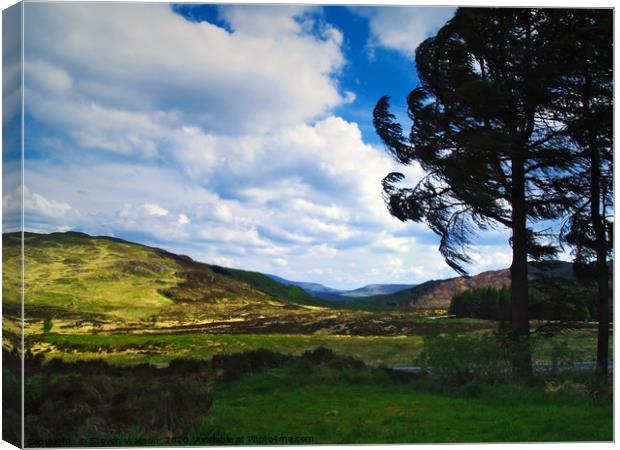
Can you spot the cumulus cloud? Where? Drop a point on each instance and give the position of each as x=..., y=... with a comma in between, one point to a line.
x=155, y=210
x=41, y=213
x=280, y=262
x=403, y=28
x=182, y=219
x=47, y=208
x=154, y=60
x=11, y=65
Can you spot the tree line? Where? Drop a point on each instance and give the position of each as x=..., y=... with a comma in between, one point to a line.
x=551, y=300
x=512, y=124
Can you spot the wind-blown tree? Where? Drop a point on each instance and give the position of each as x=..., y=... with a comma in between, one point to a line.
x=586, y=107
x=485, y=134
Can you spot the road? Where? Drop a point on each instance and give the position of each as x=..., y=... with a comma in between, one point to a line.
x=580, y=366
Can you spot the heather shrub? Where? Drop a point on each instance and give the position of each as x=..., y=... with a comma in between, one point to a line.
x=459, y=359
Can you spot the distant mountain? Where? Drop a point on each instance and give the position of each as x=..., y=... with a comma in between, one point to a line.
x=437, y=294
x=315, y=289
x=396, y=300
x=112, y=281
x=342, y=295
x=433, y=294
x=376, y=289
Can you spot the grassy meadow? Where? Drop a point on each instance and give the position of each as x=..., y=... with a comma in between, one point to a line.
x=336, y=407
x=160, y=349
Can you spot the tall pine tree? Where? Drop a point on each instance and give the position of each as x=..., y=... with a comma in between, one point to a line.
x=586, y=108
x=485, y=133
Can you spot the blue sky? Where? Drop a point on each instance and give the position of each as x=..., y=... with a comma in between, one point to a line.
x=239, y=135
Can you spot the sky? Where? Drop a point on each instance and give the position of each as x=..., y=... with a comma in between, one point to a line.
x=238, y=135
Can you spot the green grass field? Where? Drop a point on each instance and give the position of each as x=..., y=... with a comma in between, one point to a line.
x=318, y=397
x=332, y=407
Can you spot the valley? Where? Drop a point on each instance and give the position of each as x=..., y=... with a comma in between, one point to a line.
x=128, y=303
x=105, y=315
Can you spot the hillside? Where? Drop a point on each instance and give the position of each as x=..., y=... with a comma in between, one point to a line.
x=85, y=285
x=440, y=296
x=91, y=284
x=103, y=283
x=269, y=285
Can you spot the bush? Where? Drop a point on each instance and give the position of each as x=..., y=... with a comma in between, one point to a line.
x=322, y=355
x=83, y=403
x=459, y=359
x=472, y=389
x=48, y=325
x=561, y=355
x=231, y=367
x=11, y=397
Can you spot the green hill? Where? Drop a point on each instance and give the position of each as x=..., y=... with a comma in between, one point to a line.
x=268, y=285
x=103, y=283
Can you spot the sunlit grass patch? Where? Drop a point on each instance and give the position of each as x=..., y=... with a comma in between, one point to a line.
x=133, y=349
x=374, y=350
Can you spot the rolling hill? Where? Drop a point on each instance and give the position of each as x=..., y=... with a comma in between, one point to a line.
x=104, y=283
x=90, y=284
x=400, y=300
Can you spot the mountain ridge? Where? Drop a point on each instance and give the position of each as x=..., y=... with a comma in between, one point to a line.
x=308, y=286
x=320, y=290
x=376, y=289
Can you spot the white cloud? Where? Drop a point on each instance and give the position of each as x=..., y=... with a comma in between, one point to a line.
x=49, y=78
x=182, y=219
x=47, y=208
x=490, y=257
x=11, y=201
x=226, y=82
x=403, y=28
x=226, y=262
x=155, y=210
x=280, y=262
x=41, y=213
x=147, y=218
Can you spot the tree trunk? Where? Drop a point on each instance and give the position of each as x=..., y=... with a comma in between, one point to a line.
x=602, y=272
x=520, y=324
